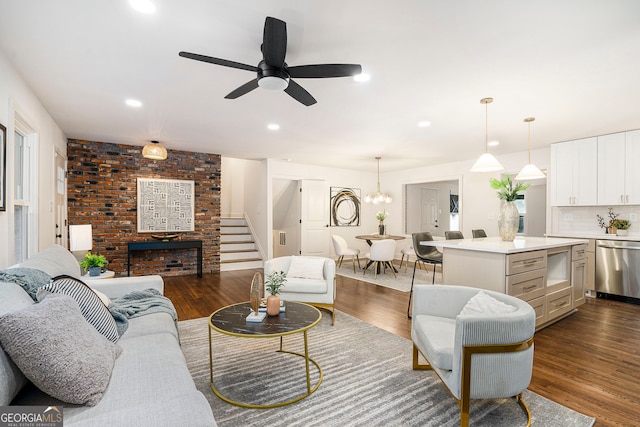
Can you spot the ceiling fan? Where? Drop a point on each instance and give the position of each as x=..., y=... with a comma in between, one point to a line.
x=273, y=73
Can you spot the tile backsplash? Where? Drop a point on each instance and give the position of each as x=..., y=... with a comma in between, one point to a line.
x=582, y=219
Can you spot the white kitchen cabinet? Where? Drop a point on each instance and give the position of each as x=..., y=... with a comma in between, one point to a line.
x=574, y=179
x=618, y=172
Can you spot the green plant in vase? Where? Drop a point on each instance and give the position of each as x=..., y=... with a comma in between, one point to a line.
x=273, y=282
x=621, y=226
x=93, y=263
x=509, y=218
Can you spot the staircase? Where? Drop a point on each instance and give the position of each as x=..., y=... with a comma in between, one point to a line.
x=237, y=248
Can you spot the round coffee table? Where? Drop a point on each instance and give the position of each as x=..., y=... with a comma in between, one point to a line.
x=298, y=318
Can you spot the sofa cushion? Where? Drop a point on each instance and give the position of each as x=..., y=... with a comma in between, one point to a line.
x=54, y=260
x=483, y=303
x=437, y=334
x=58, y=350
x=91, y=306
x=305, y=267
x=305, y=286
x=12, y=297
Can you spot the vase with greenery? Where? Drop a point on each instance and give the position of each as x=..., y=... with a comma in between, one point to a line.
x=621, y=226
x=509, y=218
x=273, y=282
x=381, y=216
x=93, y=263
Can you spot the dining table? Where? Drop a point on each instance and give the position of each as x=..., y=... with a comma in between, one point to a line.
x=370, y=238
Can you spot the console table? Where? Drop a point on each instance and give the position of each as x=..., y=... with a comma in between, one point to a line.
x=157, y=245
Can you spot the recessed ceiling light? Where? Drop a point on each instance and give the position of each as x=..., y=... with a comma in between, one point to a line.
x=424, y=124
x=362, y=77
x=133, y=103
x=273, y=126
x=144, y=6
x=493, y=143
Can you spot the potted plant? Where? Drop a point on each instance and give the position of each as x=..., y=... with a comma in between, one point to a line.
x=621, y=225
x=381, y=216
x=273, y=283
x=509, y=218
x=93, y=263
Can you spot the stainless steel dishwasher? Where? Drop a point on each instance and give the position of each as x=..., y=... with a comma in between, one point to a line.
x=618, y=268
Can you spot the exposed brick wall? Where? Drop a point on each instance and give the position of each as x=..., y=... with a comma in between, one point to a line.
x=102, y=191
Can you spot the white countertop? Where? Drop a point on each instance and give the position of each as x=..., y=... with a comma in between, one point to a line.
x=497, y=245
x=599, y=236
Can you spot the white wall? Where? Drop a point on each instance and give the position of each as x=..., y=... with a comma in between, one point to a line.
x=15, y=95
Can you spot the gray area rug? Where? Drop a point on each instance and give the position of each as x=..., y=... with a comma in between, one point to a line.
x=402, y=281
x=368, y=381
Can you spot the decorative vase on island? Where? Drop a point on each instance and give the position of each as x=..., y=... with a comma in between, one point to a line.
x=273, y=305
x=508, y=221
x=94, y=271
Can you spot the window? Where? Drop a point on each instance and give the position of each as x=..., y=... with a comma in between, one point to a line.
x=24, y=191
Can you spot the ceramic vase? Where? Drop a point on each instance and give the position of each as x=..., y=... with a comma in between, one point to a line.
x=381, y=229
x=94, y=271
x=508, y=221
x=273, y=305
x=622, y=232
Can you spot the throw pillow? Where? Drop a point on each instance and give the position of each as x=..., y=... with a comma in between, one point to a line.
x=58, y=350
x=91, y=306
x=483, y=303
x=306, y=267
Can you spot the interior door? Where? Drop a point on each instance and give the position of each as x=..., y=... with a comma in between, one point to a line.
x=314, y=218
x=429, y=210
x=60, y=209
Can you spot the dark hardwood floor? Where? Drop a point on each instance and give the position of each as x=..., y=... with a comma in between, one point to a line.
x=589, y=362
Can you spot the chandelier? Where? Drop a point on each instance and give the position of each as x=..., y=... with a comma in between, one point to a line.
x=378, y=196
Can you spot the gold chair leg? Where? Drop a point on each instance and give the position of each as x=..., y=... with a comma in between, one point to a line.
x=417, y=366
x=353, y=261
x=524, y=408
x=358, y=258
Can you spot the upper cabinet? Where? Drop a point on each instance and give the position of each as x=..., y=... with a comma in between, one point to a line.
x=618, y=171
x=574, y=178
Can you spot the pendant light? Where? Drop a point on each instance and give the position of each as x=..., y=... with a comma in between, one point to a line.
x=530, y=171
x=154, y=151
x=378, y=196
x=486, y=162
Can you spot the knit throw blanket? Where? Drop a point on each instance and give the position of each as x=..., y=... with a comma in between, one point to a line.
x=30, y=279
x=140, y=303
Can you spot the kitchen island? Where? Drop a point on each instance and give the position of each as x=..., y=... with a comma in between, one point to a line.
x=549, y=273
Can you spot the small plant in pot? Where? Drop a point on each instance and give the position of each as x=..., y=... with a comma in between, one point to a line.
x=273, y=282
x=93, y=263
x=509, y=218
x=621, y=225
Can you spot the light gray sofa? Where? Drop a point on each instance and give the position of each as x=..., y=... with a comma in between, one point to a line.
x=150, y=384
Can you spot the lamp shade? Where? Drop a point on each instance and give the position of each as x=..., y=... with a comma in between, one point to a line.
x=154, y=151
x=80, y=238
x=487, y=163
x=530, y=171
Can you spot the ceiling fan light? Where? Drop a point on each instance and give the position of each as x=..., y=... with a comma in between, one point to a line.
x=273, y=83
x=487, y=163
x=530, y=171
x=154, y=151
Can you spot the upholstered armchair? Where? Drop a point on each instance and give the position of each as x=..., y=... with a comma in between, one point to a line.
x=482, y=352
x=309, y=279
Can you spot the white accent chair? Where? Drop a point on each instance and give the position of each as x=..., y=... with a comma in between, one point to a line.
x=311, y=280
x=477, y=356
x=381, y=252
x=342, y=250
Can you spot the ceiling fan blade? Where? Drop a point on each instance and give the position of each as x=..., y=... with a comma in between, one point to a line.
x=218, y=61
x=274, y=42
x=298, y=93
x=245, y=88
x=324, y=70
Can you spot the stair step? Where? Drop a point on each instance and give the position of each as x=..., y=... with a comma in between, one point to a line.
x=237, y=247
x=244, y=265
x=234, y=230
x=233, y=238
x=236, y=256
x=230, y=222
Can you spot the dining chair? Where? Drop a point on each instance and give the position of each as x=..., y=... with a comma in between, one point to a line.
x=381, y=252
x=452, y=235
x=342, y=249
x=426, y=255
x=478, y=233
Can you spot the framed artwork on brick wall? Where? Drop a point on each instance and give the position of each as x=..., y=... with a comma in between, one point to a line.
x=165, y=205
x=3, y=168
x=345, y=207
